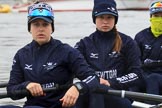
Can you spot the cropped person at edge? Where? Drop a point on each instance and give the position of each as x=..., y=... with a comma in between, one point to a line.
x=149, y=41
x=45, y=62
x=114, y=56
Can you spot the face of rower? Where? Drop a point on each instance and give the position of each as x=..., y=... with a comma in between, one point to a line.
x=41, y=31
x=105, y=22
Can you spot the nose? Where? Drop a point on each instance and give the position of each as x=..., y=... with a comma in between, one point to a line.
x=105, y=20
x=41, y=27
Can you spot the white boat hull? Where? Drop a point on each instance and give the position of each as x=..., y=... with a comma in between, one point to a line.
x=133, y=4
x=87, y=5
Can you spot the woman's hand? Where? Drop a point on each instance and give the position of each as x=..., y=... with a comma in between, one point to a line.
x=105, y=82
x=70, y=97
x=35, y=89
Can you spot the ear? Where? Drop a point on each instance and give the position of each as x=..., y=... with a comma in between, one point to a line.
x=53, y=29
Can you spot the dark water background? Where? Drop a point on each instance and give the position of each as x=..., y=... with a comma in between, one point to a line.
x=70, y=27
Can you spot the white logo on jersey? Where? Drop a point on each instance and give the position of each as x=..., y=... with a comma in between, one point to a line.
x=114, y=54
x=92, y=55
x=14, y=61
x=109, y=74
x=28, y=67
x=148, y=47
x=50, y=65
x=128, y=78
x=161, y=47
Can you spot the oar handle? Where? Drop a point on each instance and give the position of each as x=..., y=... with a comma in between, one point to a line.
x=151, y=65
x=133, y=95
x=120, y=93
x=57, y=87
x=27, y=93
x=3, y=84
x=136, y=95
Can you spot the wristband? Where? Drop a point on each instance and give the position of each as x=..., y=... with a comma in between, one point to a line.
x=79, y=87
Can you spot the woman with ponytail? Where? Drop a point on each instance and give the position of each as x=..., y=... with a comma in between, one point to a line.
x=113, y=55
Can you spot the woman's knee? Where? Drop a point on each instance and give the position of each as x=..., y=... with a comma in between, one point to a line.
x=154, y=76
x=117, y=102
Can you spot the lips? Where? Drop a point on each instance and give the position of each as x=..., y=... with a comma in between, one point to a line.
x=105, y=27
x=41, y=35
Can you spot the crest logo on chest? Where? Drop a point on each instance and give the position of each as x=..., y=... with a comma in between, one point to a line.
x=49, y=65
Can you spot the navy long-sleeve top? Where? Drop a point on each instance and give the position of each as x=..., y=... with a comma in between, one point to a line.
x=122, y=69
x=151, y=50
x=50, y=64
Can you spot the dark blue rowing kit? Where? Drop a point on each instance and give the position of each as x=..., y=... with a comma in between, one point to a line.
x=151, y=57
x=151, y=50
x=50, y=64
x=122, y=70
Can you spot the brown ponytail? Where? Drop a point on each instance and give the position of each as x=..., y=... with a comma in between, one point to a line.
x=117, y=42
